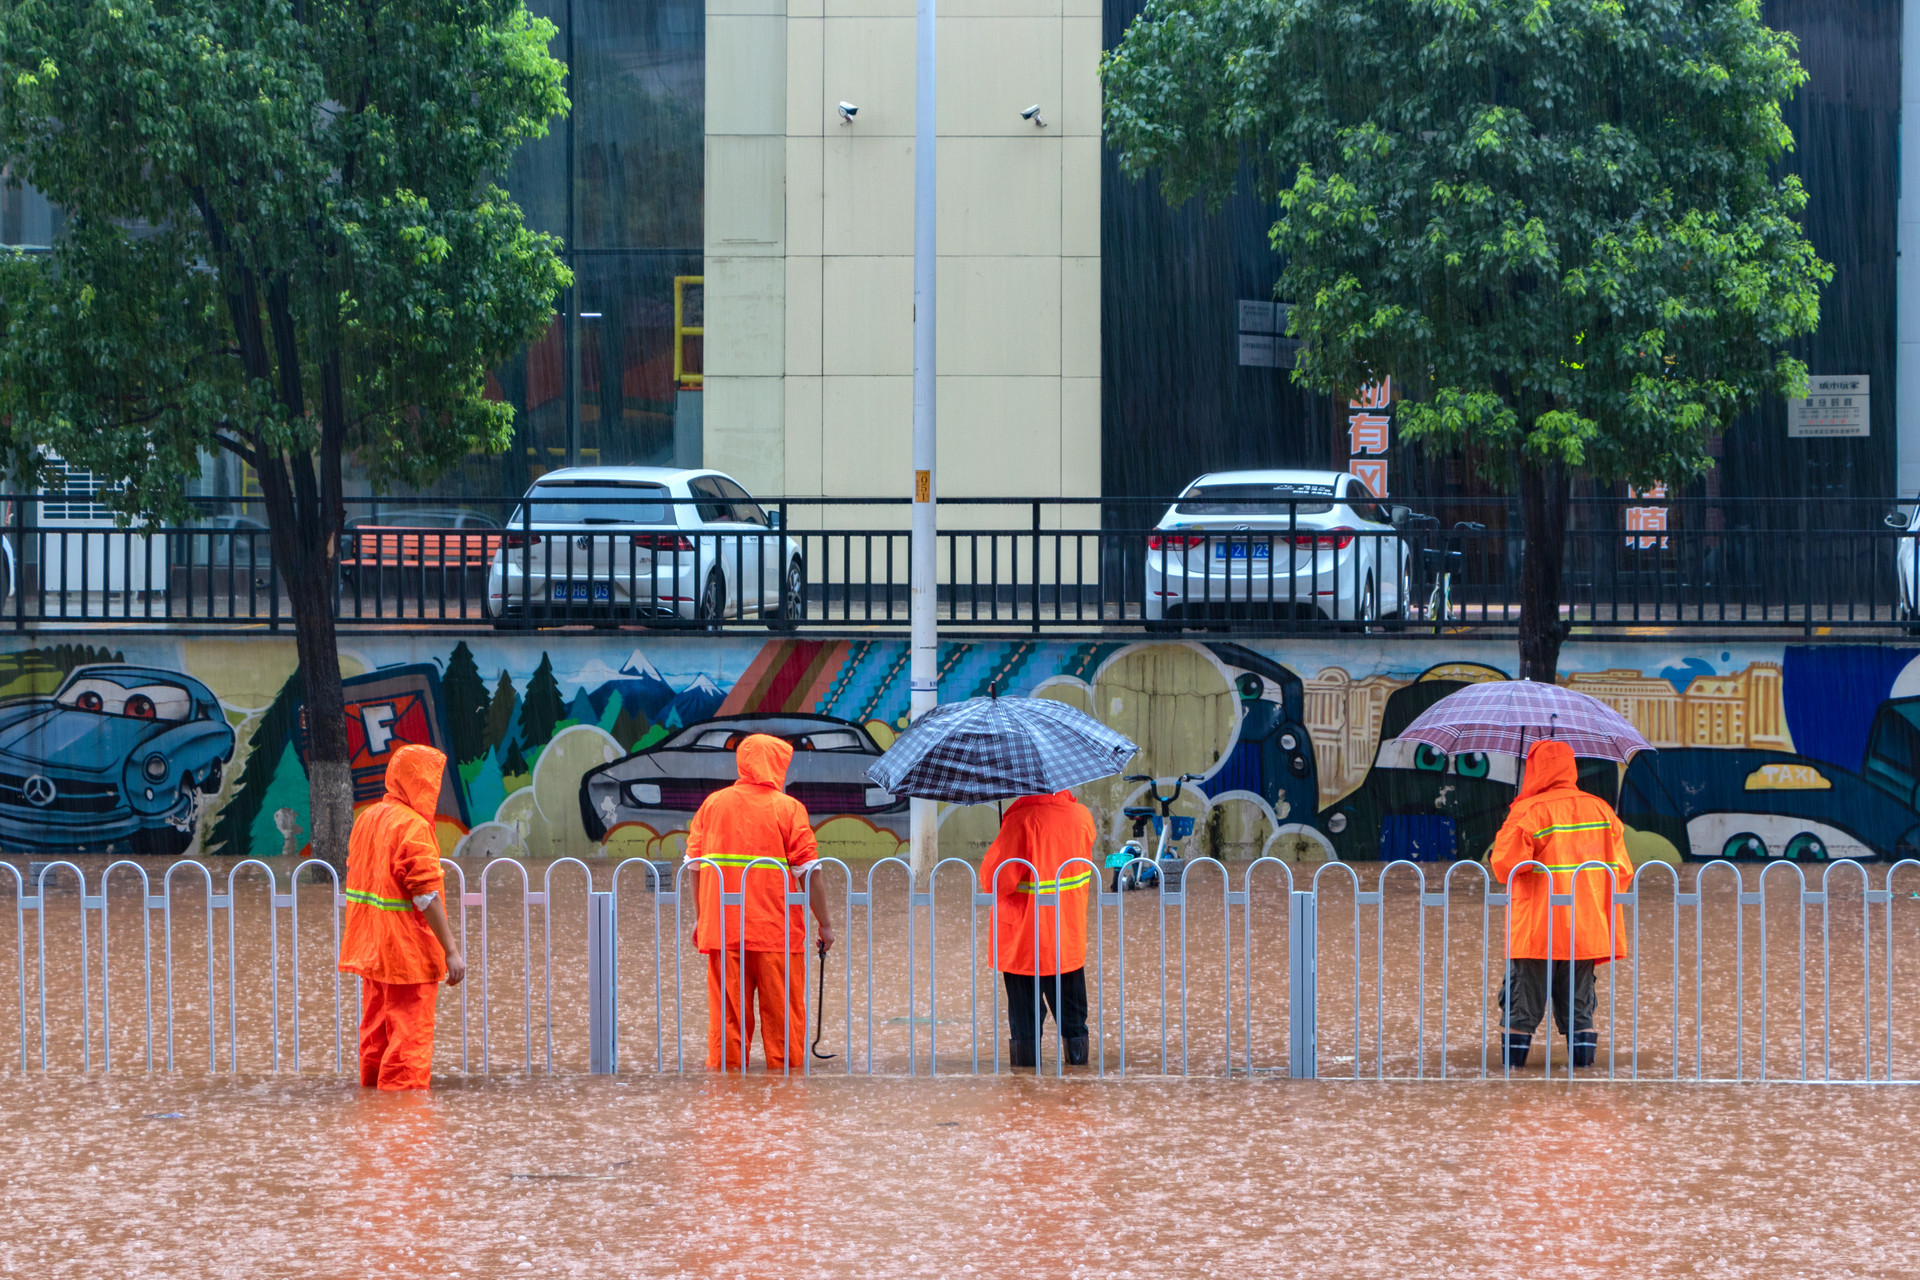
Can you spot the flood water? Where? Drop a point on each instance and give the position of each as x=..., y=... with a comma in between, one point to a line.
x=659, y=1176
x=504, y=1171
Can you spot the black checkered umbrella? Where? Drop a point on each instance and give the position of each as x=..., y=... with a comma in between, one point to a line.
x=994, y=748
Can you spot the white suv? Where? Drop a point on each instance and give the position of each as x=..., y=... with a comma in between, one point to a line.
x=1276, y=544
x=610, y=544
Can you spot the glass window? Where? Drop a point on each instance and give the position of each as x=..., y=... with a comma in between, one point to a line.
x=596, y=503
x=1256, y=500
x=26, y=219
x=745, y=509
x=631, y=408
x=714, y=511
x=639, y=123
x=1361, y=499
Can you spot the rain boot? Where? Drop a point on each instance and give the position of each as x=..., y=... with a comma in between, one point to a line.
x=1076, y=1051
x=1020, y=1053
x=1586, y=1044
x=1517, y=1046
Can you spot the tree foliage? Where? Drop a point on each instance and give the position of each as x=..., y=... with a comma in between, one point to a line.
x=1555, y=222
x=283, y=240
x=270, y=204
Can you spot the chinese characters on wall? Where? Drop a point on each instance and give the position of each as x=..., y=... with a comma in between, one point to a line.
x=1369, y=422
x=1643, y=521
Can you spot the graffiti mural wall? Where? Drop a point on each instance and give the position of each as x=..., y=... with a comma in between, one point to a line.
x=606, y=745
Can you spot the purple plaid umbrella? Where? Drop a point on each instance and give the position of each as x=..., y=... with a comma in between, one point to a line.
x=1508, y=716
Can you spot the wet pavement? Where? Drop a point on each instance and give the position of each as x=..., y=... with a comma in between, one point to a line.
x=131, y=1176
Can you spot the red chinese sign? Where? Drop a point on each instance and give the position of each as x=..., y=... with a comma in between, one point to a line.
x=1369, y=423
x=1642, y=521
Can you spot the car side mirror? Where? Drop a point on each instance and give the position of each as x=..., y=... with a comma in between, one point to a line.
x=1894, y=520
x=1398, y=514
x=773, y=519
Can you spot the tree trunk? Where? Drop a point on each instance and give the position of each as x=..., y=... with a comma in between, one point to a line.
x=1543, y=517
x=329, y=778
x=305, y=535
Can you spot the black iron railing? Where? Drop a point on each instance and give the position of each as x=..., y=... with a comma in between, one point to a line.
x=1041, y=565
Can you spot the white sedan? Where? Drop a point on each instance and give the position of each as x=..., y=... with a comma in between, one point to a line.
x=606, y=544
x=1907, y=607
x=1277, y=544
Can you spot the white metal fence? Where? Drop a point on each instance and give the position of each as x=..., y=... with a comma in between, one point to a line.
x=1265, y=968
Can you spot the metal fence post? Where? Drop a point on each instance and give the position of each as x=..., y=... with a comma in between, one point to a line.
x=600, y=984
x=1303, y=987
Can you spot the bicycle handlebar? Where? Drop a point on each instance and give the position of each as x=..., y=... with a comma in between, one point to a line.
x=1154, y=787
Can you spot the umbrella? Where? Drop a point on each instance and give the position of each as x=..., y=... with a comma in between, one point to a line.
x=992, y=748
x=1506, y=716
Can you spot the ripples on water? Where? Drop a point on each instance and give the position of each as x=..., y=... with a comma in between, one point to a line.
x=699, y=1177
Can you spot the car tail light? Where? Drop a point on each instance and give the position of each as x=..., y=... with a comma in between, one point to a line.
x=1175, y=541
x=521, y=540
x=1328, y=539
x=663, y=542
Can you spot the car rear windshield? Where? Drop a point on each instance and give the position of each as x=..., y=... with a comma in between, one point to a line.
x=1257, y=500
x=596, y=504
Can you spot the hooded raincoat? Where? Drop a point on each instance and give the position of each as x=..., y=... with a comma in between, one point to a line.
x=1047, y=832
x=752, y=820
x=393, y=868
x=1555, y=823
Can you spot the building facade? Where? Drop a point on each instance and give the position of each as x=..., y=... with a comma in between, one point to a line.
x=742, y=254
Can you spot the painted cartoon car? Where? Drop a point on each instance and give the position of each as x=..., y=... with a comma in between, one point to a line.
x=1757, y=805
x=118, y=757
x=1424, y=805
x=664, y=785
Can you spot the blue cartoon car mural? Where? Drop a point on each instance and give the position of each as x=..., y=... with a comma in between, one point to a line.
x=1757, y=805
x=119, y=757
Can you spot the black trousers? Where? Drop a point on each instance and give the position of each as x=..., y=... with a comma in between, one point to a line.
x=1525, y=994
x=1070, y=1011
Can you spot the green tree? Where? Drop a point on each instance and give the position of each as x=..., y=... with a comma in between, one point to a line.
x=467, y=704
x=281, y=241
x=1555, y=225
x=500, y=710
x=542, y=708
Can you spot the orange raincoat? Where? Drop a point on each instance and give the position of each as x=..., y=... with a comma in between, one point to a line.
x=393, y=869
x=1555, y=823
x=752, y=820
x=1049, y=832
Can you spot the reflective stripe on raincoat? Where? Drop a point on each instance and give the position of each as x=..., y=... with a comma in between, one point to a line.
x=754, y=819
x=393, y=861
x=1048, y=832
x=1555, y=823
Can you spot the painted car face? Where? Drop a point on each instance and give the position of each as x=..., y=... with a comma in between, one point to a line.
x=116, y=751
x=665, y=785
x=1759, y=805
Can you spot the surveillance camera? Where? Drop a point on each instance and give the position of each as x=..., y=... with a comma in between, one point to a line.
x=847, y=112
x=1033, y=113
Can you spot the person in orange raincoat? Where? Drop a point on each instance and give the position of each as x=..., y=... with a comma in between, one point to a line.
x=1047, y=832
x=748, y=946
x=1555, y=823
x=397, y=937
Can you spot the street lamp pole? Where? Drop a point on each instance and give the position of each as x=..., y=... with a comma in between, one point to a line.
x=923, y=671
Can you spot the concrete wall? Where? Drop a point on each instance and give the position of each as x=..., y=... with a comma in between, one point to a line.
x=1765, y=750
x=809, y=244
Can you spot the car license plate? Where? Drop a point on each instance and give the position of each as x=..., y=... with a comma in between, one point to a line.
x=578, y=591
x=1240, y=550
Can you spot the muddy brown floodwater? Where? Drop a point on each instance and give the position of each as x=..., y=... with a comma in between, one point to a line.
x=505, y=1173
x=130, y=1176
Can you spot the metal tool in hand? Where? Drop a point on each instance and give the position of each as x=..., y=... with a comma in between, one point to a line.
x=820, y=1006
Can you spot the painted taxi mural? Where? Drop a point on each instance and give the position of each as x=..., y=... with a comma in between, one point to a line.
x=588, y=746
